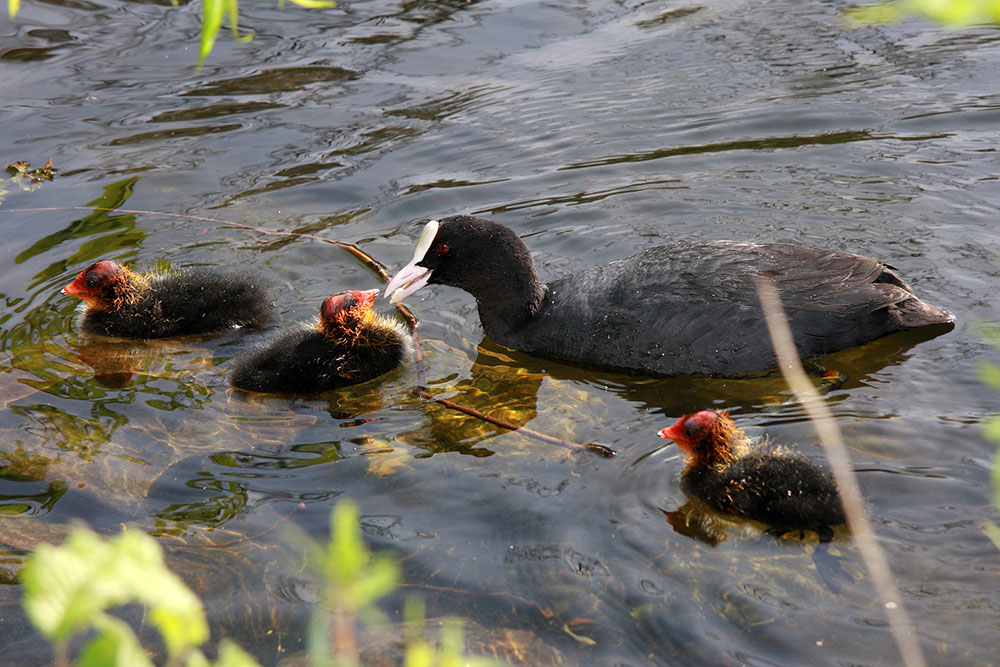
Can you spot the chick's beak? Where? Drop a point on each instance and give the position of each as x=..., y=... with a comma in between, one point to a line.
x=73, y=288
x=412, y=277
x=673, y=432
x=367, y=297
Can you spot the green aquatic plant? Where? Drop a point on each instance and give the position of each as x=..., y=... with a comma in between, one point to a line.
x=69, y=589
x=354, y=579
x=212, y=14
x=952, y=13
x=213, y=11
x=22, y=175
x=990, y=374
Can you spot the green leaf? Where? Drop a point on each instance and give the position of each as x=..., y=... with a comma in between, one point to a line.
x=952, y=13
x=992, y=429
x=993, y=532
x=318, y=641
x=212, y=12
x=346, y=554
x=315, y=4
x=62, y=590
x=452, y=644
x=996, y=481
x=958, y=12
x=231, y=655
x=196, y=658
x=116, y=645
x=380, y=579
x=68, y=588
x=884, y=12
x=234, y=18
x=176, y=611
x=990, y=374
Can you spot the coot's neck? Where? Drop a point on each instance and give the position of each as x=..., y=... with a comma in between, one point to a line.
x=507, y=306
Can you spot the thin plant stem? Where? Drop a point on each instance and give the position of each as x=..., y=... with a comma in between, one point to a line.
x=62, y=653
x=345, y=646
x=606, y=452
x=840, y=465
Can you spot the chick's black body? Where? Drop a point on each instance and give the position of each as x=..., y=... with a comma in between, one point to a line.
x=350, y=345
x=684, y=308
x=183, y=304
x=120, y=302
x=781, y=489
x=737, y=476
x=304, y=361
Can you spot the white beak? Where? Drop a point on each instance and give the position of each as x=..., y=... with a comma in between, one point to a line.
x=411, y=277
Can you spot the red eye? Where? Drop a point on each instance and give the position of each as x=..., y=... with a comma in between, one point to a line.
x=444, y=248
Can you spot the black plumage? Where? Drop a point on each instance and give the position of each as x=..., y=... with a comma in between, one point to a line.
x=685, y=308
x=122, y=303
x=350, y=344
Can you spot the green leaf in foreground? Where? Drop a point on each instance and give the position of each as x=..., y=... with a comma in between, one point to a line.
x=952, y=13
x=212, y=12
x=67, y=589
x=115, y=645
x=314, y=4
x=211, y=21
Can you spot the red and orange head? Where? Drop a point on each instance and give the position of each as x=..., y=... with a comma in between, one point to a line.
x=708, y=437
x=106, y=285
x=343, y=313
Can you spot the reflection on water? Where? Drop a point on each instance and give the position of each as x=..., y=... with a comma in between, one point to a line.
x=592, y=129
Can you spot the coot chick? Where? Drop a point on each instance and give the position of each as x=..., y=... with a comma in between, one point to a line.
x=769, y=484
x=120, y=302
x=349, y=344
x=686, y=308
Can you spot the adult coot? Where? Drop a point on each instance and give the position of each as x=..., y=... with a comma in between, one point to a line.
x=349, y=344
x=686, y=308
x=753, y=480
x=120, y=302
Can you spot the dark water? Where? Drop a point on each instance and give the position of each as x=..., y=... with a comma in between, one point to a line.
x=593, y=129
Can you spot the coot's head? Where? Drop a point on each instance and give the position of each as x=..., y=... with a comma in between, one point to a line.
x=477, y=255
x=708, y=437
x=105, y=284
x=343, y=312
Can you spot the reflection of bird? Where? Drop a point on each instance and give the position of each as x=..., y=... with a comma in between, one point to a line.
x=766, y=484
x=120, y=302
x=687, y=308
x=350, y=344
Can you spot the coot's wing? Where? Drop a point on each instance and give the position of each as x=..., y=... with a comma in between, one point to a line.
x=692, y=308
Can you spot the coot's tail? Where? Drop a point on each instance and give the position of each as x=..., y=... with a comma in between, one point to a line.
x=909, y=311
x=914, y=313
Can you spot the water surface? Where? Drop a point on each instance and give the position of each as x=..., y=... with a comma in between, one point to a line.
x=594, y=130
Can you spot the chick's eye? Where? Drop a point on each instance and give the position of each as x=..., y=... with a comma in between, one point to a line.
x=444, y=248
x=691, y=429
x=352, y=302
x=91, y=282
